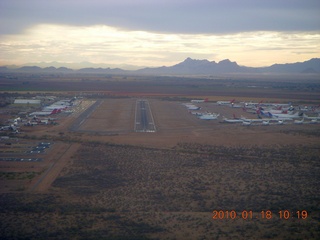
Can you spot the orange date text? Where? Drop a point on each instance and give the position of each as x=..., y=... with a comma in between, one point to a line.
x=264, y=214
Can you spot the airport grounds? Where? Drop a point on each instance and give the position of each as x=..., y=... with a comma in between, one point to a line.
x=181, y=177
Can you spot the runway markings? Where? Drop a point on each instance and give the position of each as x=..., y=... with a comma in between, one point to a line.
x=143, y=117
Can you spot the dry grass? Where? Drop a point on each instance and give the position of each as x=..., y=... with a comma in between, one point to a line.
x=123, y=192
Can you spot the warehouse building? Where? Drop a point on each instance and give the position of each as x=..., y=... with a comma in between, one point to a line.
x=28, y=102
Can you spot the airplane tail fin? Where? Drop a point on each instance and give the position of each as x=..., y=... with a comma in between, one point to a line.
x=54, y=111
x=268, y=114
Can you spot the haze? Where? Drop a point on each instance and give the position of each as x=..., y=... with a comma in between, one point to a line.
x=154, y=33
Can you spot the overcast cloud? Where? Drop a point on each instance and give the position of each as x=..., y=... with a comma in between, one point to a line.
x=177, y=16
x=225, y=21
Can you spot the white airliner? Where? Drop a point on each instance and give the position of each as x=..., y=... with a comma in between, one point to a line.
x=232, y=120
x=281, y=116
x=196, y=113
x=253, y=120
x=226, y=102
x=52, y=107
x=275, y=111
x=193, y=107
x=252, y=104
x=3, y=128
x=236, y=105
x=209, y=116
x=313, y=121
x=298, y=121
x=246, y=123
x=11, y=127
x=312, y=118
x=199, y=100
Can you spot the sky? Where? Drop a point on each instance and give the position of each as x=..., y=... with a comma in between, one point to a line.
x=159, y=32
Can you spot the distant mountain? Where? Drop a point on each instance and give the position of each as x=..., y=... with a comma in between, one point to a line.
x=78, y=65
x=187, y=67
x=29, y=69
x=36, y=69
x=103, y=70
x=313, y=65
x=205, y=67
x=195, y=67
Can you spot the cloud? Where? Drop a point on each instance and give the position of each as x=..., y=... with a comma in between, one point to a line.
x=174, y=16
x=106, y=44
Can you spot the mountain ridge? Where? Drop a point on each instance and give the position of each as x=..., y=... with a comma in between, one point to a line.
x=187, y=67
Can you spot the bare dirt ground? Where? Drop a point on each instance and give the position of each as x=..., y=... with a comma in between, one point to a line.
x=175, y=124
x=113, y=115
x=102, y=180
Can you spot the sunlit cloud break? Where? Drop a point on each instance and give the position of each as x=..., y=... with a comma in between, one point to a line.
x=105, y=44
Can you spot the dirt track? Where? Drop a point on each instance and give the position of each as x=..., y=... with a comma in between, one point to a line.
x=58, y=160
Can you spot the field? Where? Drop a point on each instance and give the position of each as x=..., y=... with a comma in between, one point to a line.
x=102, y=179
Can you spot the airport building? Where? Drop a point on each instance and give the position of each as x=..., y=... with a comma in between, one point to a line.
x=34, y=102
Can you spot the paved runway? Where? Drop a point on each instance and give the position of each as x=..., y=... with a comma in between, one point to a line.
x=143, y=117
x=84, y=115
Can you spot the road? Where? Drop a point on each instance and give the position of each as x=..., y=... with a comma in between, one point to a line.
x=143, y=117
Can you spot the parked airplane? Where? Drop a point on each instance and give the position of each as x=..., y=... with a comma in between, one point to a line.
x=226, y=102
x=283, y=116
x=298, y=121
x=196, y=113
x=52, y=107
x=199, y=100
x=232, y=120
x=236, y=105
x=313, y=118
x=246, y=123
x=313, y=121
x=45, y=113
x=280, y=122
x=3, y=128
x=252, y=120
x=11, y=127
x=192, y=107
x=252, y=104
x=276, y=111
x=209, y=116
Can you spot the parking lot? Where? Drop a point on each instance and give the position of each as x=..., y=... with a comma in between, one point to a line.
x=21, y=147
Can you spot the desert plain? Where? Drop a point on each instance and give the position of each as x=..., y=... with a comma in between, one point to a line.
x=102, y=179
